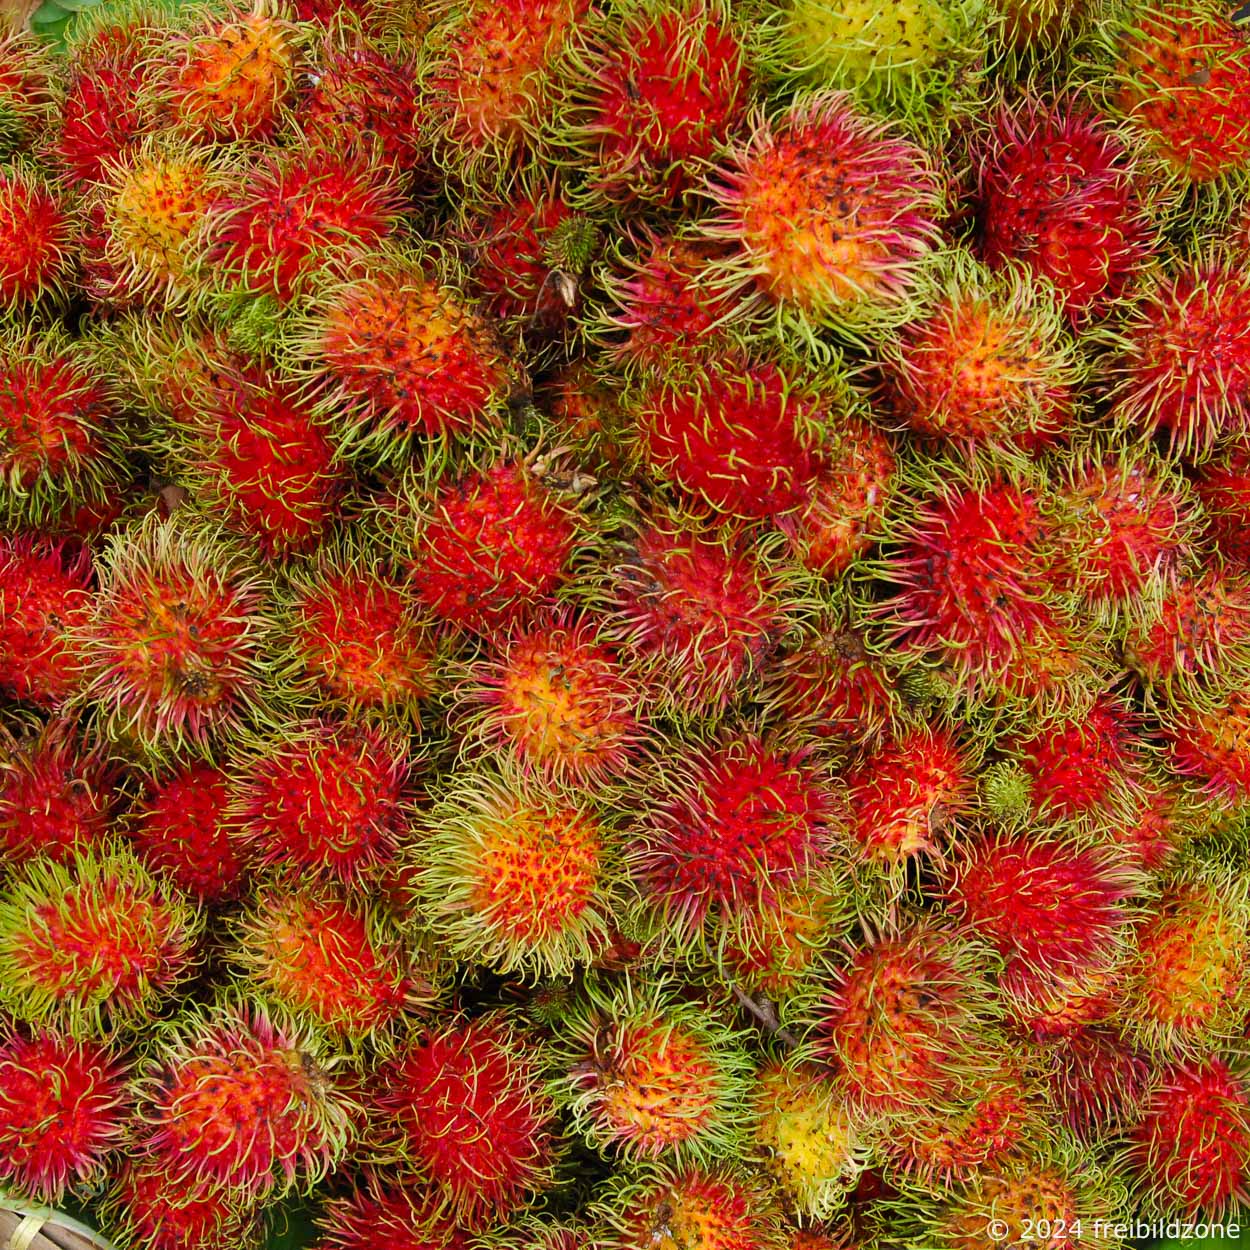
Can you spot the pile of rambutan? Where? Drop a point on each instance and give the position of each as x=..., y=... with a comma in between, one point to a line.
x=625, y=624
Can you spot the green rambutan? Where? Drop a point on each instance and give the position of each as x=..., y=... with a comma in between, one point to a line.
x=322, y=797
x=36, y=239
x=558, y=698
x=149, y=1211
x=691, y=1209
x=813, y=1146
x=831, y=215
x=358, y=636
x=231, y=1098
x=1190, y=1148
x=727, y=826
x=699, y=608
x=1057, y=193
x=906, y=1023
x=45, y=593
x=1043, y=27
x=656, y=89
x=1182, y=79
x=325, y=960
x=62, y=1112
x=908, y=793
x=492, y=545
x=60, y=432
x=743, y=438
x=648, y=1076
x=511, y=875
x=1184, y=364
x=174, y=650
x=297, y=211
x=1185, y=983
x=92, y=945
x=180, y=832
x=467, y=1104
x=57, y=794
x=988, y=359
x=404, y=357
x=229, y=75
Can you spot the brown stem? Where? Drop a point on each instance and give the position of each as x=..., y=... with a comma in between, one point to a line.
x=766, y=1014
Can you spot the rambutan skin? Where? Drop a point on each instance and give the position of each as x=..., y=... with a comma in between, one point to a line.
x=62, y=1112
x=36, y=238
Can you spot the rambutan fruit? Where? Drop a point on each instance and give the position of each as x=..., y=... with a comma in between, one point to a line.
x=831, y=215
x=101, y=117
x=1198, y=627
x=1183, y=81
x=1126, y=520
x=896, y=62
x=849, y=498
x=906, y=795
x=232, y=1098
x=358, y=637
x=60, y=432
x=36, y=239
x=62, y=1112
x=1208, y=738
x=25, y=91
x=1184, y=362
x=727, y=826
x=659, y=302
x=648, y=1076
x=45, y=593
x=326, y=960
x=812, y=1145
x=259, y=452
x=1185, y=984
x=229, y=76
x=1042, y=27
x=1053, y=907
x=742, y=437
x=364, y=100
x=699, y=608
x=299, y=210
x=467, y=1102
x=1098, y=1082
x=180, y=832
x=322, y=797
x=558, y=698
x=988, y=359
x=1057, y=193
x=151, y=209
x=833, y=682
x=174, y=650
x=492, y=78
x=1223, y=486
x=655, y=90
x=972, y=566
x=511, y=875
x=392, y=1211
x=57, y=795
x=149, y=1211
x=906, y=1022
x=405, y=357
x=691, y=1209
x=1190, y=1148
x=492, y=545
x=94, y=944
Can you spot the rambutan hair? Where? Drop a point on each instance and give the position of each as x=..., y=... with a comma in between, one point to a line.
x=36, y=239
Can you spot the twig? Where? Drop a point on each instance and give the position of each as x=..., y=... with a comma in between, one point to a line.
x=766, y=1014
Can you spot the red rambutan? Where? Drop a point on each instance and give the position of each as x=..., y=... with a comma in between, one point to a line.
x=61, y=1112
x=36, y=238
x=467, y=1103
x=1097, y=1082
x=322, y=798
x=230, y=1098
x=831, y=214
x=1223, y=486
x=393, y=1211
x=1209, y=739
x=179, y=830
x=1056, y=192
x=25, y=90
x=93, y=944
x=45, y=594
